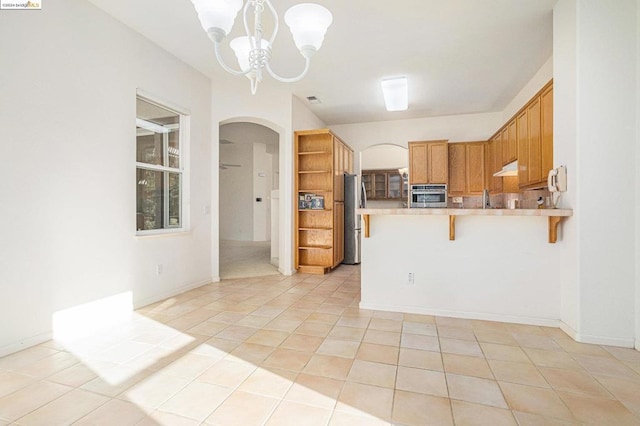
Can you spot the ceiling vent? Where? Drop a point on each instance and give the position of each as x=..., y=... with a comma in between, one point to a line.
x=313, y=100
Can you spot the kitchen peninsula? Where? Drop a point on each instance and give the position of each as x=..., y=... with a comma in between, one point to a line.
x=495, y=265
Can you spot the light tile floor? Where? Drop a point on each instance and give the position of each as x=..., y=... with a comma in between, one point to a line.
x=297, y=351
x=239, y=259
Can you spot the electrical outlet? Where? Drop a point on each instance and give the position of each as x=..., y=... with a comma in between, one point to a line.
x=457, y=200
x=159, y=269
x=411, y=278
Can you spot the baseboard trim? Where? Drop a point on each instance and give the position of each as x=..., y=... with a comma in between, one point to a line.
x=598, y=340
x=569, y=330
x=637, y=345
x=607, y=341
x=25, y=343
x=545, y=322
x=137, y=304
x=215, y=279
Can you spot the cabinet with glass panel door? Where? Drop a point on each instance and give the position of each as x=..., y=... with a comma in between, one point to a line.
x=384, y=184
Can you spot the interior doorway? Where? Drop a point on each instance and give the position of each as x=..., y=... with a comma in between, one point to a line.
x=249, y=180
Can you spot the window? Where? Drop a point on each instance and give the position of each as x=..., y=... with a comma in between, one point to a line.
x=159, y=168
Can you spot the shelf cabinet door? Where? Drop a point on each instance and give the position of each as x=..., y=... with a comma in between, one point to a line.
x=418, y=163
x=474, y=168
x=368, y=184
x=546, y=125
x=457, y=169
x=523, y=148
x=384, y=184
x=379, y=186
x=394, y=186
x=438, y=154
x=535, y=142
x=512, y=141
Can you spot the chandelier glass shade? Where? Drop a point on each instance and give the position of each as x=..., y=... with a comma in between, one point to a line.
x=308, y=23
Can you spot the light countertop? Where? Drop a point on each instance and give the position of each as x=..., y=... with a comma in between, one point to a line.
x=468, y=212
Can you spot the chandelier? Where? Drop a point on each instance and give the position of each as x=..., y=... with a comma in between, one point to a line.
x=308, y=23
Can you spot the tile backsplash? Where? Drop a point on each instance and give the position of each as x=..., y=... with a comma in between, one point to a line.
x=526, y=200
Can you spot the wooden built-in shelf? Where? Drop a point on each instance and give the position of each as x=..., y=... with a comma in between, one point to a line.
x=554, y=216
x=321, y=159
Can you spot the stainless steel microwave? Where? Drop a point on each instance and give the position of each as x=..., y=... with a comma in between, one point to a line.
x=434, y=196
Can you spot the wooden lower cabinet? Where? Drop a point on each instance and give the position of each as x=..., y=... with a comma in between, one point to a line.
x=321, y=159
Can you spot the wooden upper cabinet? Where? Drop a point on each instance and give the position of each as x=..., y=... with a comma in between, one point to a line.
x=546, y=126
x=418, y=163
x=428, y=162
x=534, y=128
x=466, y=168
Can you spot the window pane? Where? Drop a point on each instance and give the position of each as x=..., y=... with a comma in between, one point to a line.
x=174, y=150
x=150, y=206
x=157, y=131
x=175, y=200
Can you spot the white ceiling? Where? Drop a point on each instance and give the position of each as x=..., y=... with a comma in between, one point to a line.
x=460, y=56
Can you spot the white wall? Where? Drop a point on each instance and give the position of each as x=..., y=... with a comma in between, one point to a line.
x=262, y=163
x=303, y=118
x=637, y=174
x=384, y=157
x=499, y=268
x=565, y=91
x=606, y=113
x=69, y=79
x=603, y=108
x=236, y=192
x=541, y=77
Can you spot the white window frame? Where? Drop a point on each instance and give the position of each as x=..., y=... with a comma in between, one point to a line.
x=182, y=171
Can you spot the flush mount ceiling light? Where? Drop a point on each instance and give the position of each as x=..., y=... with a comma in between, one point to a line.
x=396, y=93
x=308, y=23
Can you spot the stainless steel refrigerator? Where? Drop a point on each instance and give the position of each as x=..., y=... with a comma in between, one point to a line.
x=354, y=197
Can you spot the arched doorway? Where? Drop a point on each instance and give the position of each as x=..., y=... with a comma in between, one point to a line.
x=249, y=163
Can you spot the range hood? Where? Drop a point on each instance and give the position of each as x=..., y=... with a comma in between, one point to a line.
x=510, y=169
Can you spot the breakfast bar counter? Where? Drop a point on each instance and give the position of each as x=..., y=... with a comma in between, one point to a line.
x=493, y=264
x=555, y=216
